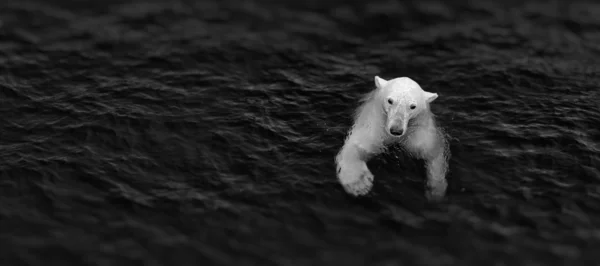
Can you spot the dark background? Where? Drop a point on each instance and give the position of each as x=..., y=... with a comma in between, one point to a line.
x=204, y=132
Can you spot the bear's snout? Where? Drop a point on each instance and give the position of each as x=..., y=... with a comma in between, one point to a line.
x=396, y=130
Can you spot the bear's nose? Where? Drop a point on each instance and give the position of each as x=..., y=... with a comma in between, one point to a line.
x=396, y=131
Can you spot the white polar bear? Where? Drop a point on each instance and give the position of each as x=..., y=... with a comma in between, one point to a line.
x=397, y=111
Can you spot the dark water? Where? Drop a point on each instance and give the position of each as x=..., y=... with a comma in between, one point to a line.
x=203, y=133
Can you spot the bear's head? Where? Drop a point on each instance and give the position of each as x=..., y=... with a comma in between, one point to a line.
x=403, y=99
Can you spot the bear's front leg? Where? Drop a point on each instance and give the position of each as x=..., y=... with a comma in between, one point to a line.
x=352, y=170
x=437, y=167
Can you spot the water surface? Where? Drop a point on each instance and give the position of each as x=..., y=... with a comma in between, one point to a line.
x=204, y=132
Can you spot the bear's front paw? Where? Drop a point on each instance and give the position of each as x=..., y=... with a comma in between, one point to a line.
x=357, y=184
x=436, y=191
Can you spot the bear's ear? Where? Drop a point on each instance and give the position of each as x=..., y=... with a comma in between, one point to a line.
x=429, y=97
x=379, y=82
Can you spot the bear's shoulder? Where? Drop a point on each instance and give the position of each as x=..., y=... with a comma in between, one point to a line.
x=425, y=141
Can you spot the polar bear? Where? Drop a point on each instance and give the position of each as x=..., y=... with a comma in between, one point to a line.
x=396, y=111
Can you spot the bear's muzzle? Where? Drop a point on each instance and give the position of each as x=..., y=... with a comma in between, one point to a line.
x=397, y=127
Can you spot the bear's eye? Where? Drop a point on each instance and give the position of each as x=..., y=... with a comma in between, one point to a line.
x=390, y=101
x=413, y=106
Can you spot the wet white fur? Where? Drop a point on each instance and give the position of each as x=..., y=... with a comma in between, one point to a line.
x=370, y=135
